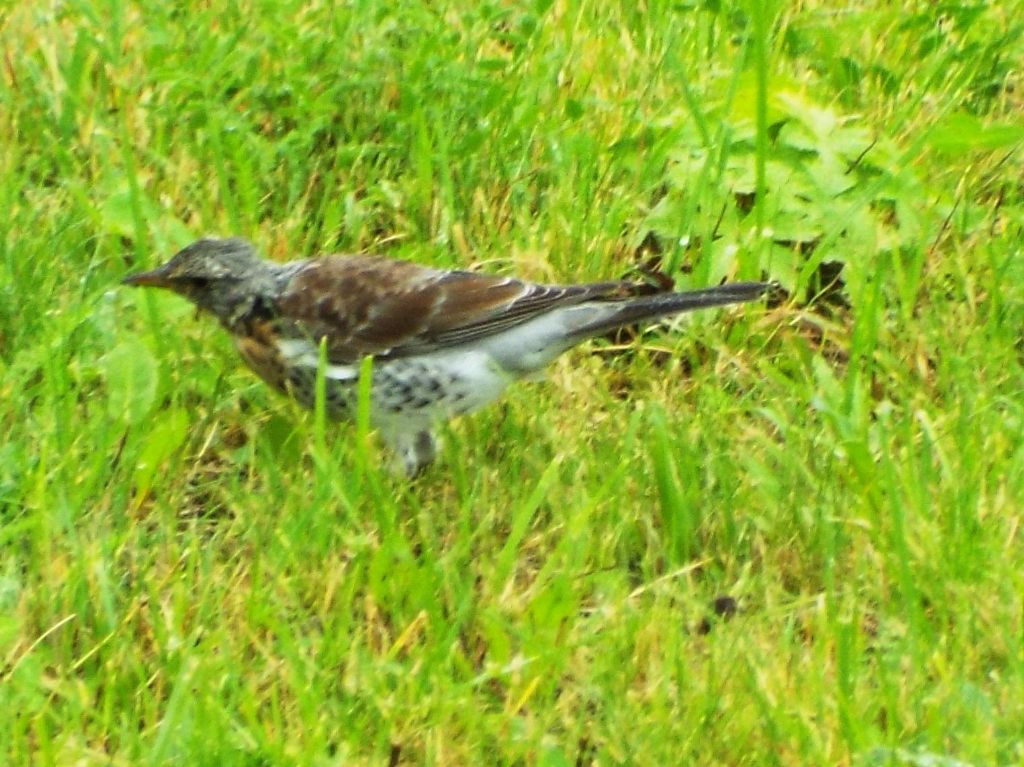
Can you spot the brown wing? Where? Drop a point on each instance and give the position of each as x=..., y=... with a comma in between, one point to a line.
x=371, y=305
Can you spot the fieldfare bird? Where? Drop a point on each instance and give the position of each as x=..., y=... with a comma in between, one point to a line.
x=443, y=342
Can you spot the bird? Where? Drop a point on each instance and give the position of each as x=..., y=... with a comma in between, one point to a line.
x=444, y=342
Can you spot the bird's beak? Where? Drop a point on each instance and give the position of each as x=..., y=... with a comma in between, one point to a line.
x=156, y=278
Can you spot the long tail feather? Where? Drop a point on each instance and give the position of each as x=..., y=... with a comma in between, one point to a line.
x=652, y=307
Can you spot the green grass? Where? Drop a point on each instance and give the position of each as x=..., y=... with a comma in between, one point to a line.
x=192, y=571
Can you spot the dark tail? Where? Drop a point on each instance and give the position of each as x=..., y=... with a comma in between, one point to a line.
x=652, y=307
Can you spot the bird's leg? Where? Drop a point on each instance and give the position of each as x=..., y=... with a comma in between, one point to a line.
x=415, y=449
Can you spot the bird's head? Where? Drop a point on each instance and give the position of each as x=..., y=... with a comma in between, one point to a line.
x=220, y=276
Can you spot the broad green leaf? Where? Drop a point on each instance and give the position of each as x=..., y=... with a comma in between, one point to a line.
x=723, y=259
x=117, y=217
x=960, y=133
x=820, y=121
x=131, y=374
x=160, y=443
x=830, y=176
x=116, y=214
x=783, y=265
x=801, y=226
x=552, y=756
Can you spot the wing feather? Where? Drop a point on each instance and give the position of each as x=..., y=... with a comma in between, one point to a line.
x=389, y=308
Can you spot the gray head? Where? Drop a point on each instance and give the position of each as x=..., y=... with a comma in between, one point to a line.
x=224, y=277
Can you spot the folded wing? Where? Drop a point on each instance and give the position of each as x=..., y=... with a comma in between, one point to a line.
x=389, y=308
